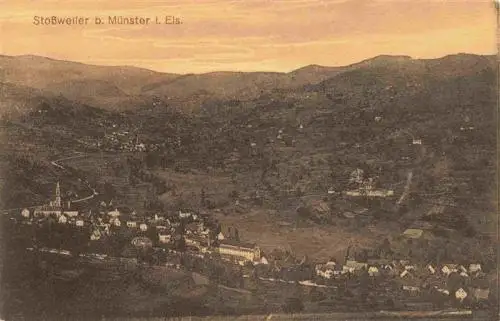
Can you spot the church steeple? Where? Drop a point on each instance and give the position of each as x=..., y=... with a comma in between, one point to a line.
x=57, y=201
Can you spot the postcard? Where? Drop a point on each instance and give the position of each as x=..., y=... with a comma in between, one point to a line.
x=250, y=160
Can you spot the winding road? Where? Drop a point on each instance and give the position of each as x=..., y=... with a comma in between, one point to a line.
x=57, y=163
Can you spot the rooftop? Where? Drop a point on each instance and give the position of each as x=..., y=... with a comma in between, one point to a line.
x=235, y=243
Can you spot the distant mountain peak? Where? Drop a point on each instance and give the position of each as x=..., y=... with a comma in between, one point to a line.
x=384, y=59
x=314, y=68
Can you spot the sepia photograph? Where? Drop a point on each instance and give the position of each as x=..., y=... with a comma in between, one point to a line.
x=249, y=160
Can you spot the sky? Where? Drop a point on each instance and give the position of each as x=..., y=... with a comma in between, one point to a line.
x=249, y=35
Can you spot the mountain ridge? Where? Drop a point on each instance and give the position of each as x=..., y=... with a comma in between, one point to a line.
x=122, y=88
x=312, y=65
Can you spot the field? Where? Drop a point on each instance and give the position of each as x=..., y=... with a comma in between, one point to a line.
x=186, y=189
x=107, y=168
x=317, y=242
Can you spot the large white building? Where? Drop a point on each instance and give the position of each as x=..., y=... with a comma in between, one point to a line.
x=246, y=251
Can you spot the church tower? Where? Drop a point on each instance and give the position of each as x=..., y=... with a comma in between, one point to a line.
x=57, y=201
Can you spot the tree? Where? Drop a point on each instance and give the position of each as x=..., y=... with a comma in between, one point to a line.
x=316, y=295
x=293, y=305
x=203, y=198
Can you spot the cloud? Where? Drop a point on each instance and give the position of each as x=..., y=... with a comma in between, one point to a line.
x=252, y=34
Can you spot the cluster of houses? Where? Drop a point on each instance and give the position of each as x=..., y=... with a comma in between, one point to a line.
x=225, y=243
x=62, y=213
x=202, y=237
x=122, y=140
x=456, y=280
x=199, y=236
x=365, y=186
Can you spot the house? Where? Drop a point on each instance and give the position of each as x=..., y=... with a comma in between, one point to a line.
x=403, y=262
x=142, y=242
x=373, y=271
x=437, y=209
x=357, y=176
x=442, y=291
x=193, y=241
x=192, y=228
x=413, y=233
x=131, y=224
x=431, y=269
x=353, y=266
x=460, y=294
x=388, y=267
x=96, y=234
x=174, y=224
x=263, y=261
x=349, y=215
x=184, y=214
x=331, y=264
x=404, y=274
x=114, y=213
x=115, y=221
x=324, y=271
x=106, y=228
x=25, y=213
x=370, y=193
x=474, y=268
x=480, y=294
x=79, y=222
x=164, y=238
x=63, y=219
x=410, y=267
x=381, y=263
x=70, y=213
x=447, y=269
x=378, y=118
x=143, y=227
x=417, y=142
x=411, y=288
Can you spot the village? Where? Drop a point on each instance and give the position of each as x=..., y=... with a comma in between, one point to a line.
x=188, y=240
